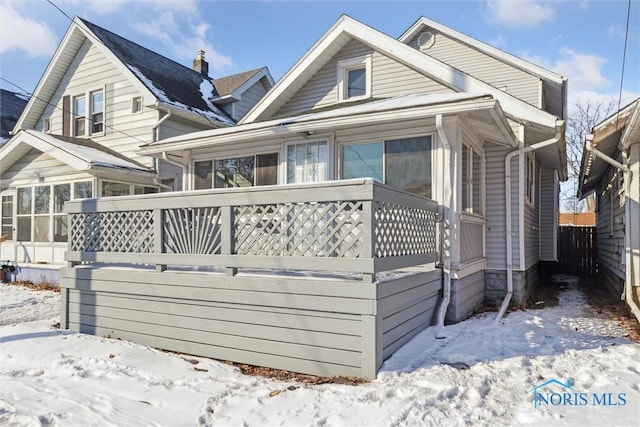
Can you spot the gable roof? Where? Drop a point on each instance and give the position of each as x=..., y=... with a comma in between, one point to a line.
x=616, y=132
x=162, y=82
x=494, y=52
x=346, y=29
x=80, y=154
x=233, y=86
x=11, y=106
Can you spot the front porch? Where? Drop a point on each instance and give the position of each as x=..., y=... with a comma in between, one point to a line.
x=328, y=279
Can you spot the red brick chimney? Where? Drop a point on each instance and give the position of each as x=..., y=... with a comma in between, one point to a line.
x=200, y=65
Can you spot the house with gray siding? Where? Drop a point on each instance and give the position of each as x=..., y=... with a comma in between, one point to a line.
x=100, y=98
x=381, y=186
x=611, y=170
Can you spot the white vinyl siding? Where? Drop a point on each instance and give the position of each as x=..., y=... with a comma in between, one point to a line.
x=610, y=228
x=495, y=244
x=548, y=209
x=532, y=222
x=388, y=78
x=249, y=98
x=89, y=71
x=35, y=165
x=497, y=73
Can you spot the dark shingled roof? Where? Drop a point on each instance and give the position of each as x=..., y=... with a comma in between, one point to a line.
x=11, y=106
x=180, y=84
x=225, y=85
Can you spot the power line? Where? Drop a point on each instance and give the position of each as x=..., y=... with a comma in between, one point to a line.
x=624, y=57
x=71, y=112
x=60, y=10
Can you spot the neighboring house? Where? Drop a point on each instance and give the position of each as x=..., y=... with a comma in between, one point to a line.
x=582, y=219
x=100, y=98
x=11, y=106
x=611, y=170
x=366, y=189
x=435, y=113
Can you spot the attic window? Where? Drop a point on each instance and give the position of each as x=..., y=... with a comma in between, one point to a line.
x=136, y=104
x=46, y=127
x=354, y=78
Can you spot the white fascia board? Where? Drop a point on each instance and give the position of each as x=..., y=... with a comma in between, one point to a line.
x=295, y=71
x=44, y=79
x=121, y=66
x=44, y=146
x=281, y=127
x=412, y=58
x=496, y=53
x=631, y=133
x=448, y=75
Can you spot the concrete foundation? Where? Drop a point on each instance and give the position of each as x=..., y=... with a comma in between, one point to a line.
x=523, y=283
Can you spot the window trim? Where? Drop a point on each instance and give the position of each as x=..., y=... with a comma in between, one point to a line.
x=133, y=104
x=46, y=125
x=50, y=214
x=343, y=68
x=329, y=173
x=88, y=113
x=530, y=179
x=390, y=137
x=12, y=214
x=233, y=156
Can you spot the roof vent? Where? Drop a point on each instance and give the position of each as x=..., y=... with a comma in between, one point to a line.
x=426, y=39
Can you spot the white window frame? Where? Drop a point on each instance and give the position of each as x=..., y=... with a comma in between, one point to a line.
x=347, y=65
x=285, y=160
x=12, y=214
x=46, y=125
x=530, y=179
x=134, y=101
x=383, y=140
x=470, y=185
x=88, y=113
x=51, y=214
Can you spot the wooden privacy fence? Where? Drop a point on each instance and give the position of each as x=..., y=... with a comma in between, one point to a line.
x=577, y=250
x=357, y=226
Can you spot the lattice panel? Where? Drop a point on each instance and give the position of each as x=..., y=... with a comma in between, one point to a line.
x=331, y=229
x=126, y=231
x=400, y=230
x=192, y=231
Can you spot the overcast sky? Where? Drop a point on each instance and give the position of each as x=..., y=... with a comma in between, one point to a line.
x=582, y=40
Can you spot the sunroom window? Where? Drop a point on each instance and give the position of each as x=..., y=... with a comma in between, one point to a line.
x=402, y=163
x=40, y=210
x=247, y=171
x=7, y=217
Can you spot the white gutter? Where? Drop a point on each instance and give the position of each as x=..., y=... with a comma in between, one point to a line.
x=627, y=295
x=507, y=180
x=446, y=292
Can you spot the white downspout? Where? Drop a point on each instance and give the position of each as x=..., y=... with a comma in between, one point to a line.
x=627, y=296
x=446, y=292
x=507, y=181
x=166, y=158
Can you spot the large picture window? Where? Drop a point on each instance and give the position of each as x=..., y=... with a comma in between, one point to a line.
x=247, y=171
x=402, y=163
x=40, y=215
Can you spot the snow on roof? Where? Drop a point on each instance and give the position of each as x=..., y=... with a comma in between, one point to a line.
x=11, y=106
x=204, y=88
x=173, y=83
x=89, y=151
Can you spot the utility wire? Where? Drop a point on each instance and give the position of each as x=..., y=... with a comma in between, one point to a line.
x=624, y=58
x=60, y=10
x=71, y=112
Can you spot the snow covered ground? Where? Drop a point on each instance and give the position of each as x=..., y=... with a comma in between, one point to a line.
x=480, y=374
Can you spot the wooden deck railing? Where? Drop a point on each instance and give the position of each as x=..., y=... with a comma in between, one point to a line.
x=348, y=226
